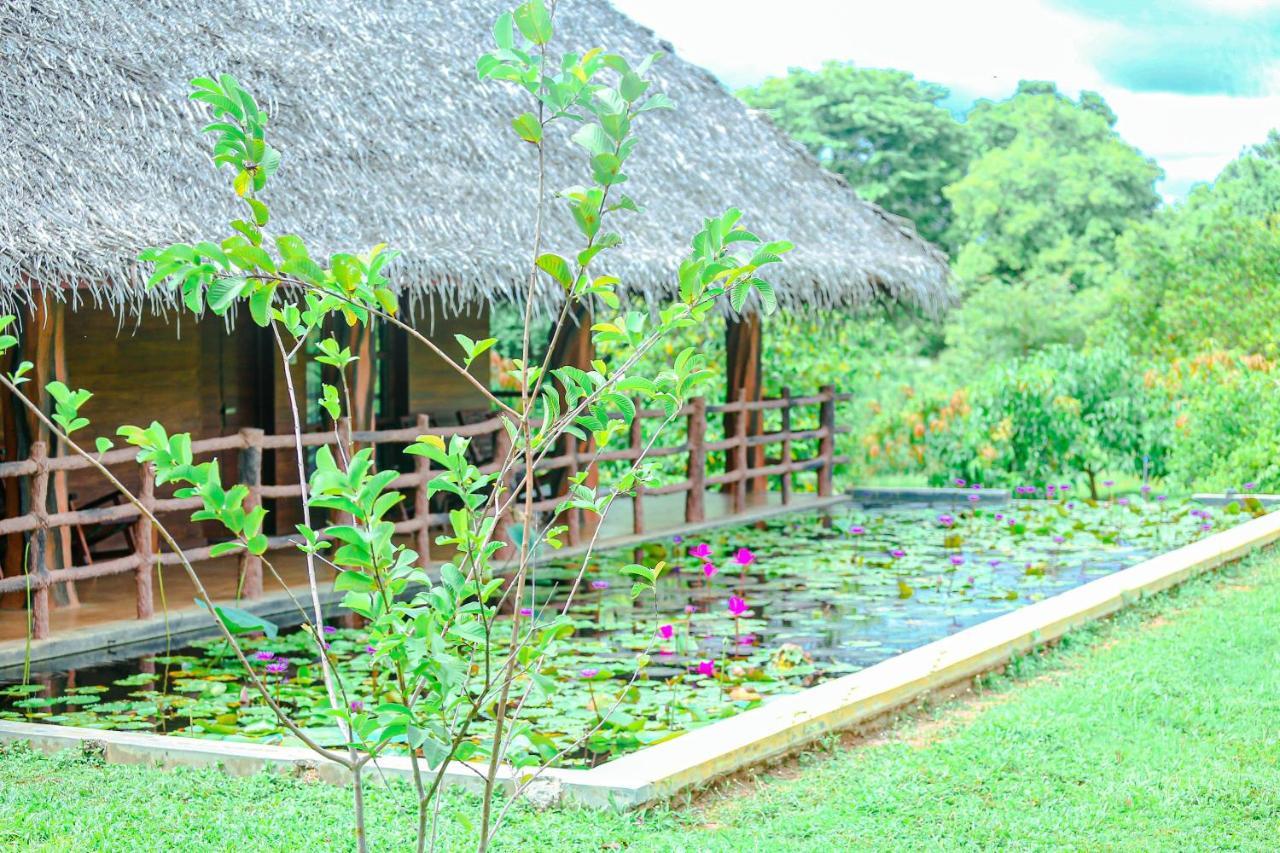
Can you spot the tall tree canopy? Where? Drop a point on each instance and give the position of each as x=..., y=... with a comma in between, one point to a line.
x=1205, y=274
x=886, y=132
x=1052, y=187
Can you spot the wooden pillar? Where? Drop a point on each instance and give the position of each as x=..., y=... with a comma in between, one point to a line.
x=827, y=447
x=574, y=348
x=11, y=558
x=251, y=477
x=502, y=528
x=696, y=472
x=363, y=385
x=637, y=447
x=786, y=455
x=45, y=340
x=40, y=541
x=143, y=544
x=421, y=505
x=743, y=381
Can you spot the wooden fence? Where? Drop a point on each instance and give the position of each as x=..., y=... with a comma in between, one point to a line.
x=250, y=444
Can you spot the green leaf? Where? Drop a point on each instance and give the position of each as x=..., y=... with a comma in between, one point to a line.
x=103, y=443
x=593, y=138
x=556, y=267
x=353, y=581
x=533, y=21
x=239, y=621
x=527, y=127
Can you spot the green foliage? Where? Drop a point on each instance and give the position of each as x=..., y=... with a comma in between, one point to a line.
x=1185, y=281
x=1050, y=191
x=1227, y=412
x=1059, y=413
x=886, y=132
x=1002, y=320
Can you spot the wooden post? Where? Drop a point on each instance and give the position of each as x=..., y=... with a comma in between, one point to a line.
x=502, y=529
x=786, y=446
x=637, y=447
x=142, y=544
x=46, y=343
x=422, y=506
x=39, y=541
x=740, y=462
x=11, y=560
x=251, y=476
x=743, y=341
x=696, y=472
x=573, y=516
x=827, y=449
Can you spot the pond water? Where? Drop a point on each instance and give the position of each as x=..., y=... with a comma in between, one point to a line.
x=823, y=596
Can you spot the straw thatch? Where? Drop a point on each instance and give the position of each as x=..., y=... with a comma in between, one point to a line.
x=387, y=135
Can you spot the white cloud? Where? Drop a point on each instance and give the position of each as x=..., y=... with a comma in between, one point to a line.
x=976, y=49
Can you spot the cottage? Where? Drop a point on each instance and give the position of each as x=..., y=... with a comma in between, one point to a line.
x=387, y=136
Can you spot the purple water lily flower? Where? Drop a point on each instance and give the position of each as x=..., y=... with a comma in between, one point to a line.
x=1145, y=488
x=946, y=520
x=329, y=629
x=1249, y=487
x=897, y=553
x=1122, y=501
x=526, y=611
x=857, y=530
x=589, y=673
x=960, y=484
x=1059, y=539
x=277, y=667
x=1206, y=526
x=737, y=606
x=1108, y=483
x=370, y=650
x=677, y=539
x=999, y=516
x=265, y=655
x=1162, y=498
x=666, y=632
x=356, y=706
x=973, y=499
x=599, y=585
x=957, y=560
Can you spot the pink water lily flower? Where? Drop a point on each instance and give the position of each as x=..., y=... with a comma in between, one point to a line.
x=702, y=551
x=737, y=606
x=707, y=668
x=897, y=553
x=589, y=673
x=709, y=569
x=666, y=632
x=744, y=557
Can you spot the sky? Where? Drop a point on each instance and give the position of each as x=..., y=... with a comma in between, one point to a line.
x=1193, y=82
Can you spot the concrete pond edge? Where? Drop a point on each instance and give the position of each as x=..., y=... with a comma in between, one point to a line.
x=767, y=733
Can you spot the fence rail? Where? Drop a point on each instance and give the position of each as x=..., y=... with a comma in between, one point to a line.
x=572, y=457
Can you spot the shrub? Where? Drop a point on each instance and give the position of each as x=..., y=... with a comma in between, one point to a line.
x=1057, y=412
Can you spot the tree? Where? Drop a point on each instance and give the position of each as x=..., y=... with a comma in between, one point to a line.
x=1204, y=274
x=886, y=132
x=1052, y=188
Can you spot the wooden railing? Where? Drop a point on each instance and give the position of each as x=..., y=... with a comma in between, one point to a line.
x=573, y=456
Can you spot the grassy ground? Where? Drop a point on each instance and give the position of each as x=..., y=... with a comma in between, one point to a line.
x=1159, y=730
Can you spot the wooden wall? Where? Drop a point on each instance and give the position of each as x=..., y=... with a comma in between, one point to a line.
x=436, y=388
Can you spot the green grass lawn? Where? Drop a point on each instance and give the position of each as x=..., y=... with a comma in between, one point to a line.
x=1159, y=730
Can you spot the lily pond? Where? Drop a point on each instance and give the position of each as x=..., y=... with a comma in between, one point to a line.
x=742, y=615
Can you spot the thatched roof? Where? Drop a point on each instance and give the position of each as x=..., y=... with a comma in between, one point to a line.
x=386, y=135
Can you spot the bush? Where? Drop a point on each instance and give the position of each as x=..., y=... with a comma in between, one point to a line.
x=1057, y=412
x=1227, y=417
